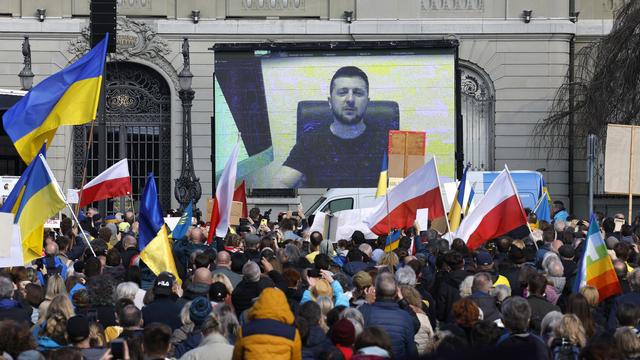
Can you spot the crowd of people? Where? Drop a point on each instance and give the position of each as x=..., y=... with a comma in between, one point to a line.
x=272, y=290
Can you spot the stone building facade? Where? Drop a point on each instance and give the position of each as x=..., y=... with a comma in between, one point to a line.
x=511, y=67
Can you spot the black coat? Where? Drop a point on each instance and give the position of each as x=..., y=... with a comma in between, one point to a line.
x=539, y=308
x=447, y=292
x=14, y=310
x=246, y=292
x=163, y=309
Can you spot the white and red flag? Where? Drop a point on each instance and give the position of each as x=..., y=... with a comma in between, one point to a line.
x=496, y=214
x=113, y=182
x=221, y=211
x=419, y=190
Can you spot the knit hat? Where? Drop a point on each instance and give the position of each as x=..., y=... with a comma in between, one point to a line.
x=362, y=280
x=77, y=328
x=199, y=310
x=343, y=333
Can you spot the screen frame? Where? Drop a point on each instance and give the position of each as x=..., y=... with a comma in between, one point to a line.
x=447, y=45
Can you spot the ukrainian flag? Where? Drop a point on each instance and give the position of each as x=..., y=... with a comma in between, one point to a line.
x=383, y=179
x=472, y=193
x=393, y=241
x=68, y=97
x=153, y=241
x=455, y=213
x=35, y=198
x=543, y=207
x=184, y=224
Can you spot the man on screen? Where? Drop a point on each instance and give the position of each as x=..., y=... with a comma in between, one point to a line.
x=347, y=153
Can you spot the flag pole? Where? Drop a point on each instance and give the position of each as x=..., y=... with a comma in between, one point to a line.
x=515, y=190
x=435, y=164
x=64, y=198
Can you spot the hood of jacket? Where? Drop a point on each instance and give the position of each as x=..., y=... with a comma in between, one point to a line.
x=7, y=304
x=272, y=304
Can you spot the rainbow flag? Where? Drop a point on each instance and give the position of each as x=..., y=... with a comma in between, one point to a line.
x=68, y=97
x=384, y=178
x=393, y=240
x=595, y=268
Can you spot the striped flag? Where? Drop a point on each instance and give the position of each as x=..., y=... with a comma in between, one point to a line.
x=221, y=212
x=384, y=177
x=472, y=193
x=595, y=268
x=393, y=241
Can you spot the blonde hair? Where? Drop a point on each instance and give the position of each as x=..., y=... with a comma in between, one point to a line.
x=570, y=327
x=60, y=310
x=627, y=341
x=389, y=260
x=519, y=243
x=55, y=286
x=322, y=288
x=96, y=336
x=326, y=304
x=61, y=304
x=222, y=278
x=591, y=294
x=185, y=319
x=411, y=295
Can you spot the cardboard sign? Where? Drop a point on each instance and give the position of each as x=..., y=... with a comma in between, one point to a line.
x=621, y=166
x=236, y=213
x=406, y=152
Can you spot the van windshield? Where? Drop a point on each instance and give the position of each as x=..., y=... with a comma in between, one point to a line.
x=314, y=206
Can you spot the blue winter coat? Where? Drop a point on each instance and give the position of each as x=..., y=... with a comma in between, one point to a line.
x=396, y=322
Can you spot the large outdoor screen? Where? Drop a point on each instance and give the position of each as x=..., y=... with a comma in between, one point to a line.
x=321, y=118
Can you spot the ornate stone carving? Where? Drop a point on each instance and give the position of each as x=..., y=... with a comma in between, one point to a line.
x=135, y=40
x=429, y=5
x=472, y=86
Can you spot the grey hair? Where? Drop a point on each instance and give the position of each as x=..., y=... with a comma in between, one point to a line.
x=355, y=316
x=634, y=279
x=406, y=276
x=251, y=271
x=465, y=286
x=6, y=288
x=292, y=253
x=127, y=290
x=516, y=313
x=549, y=322
x=481, y=282
x=500, y=292
x=211, y=324
x=559, y=226
x=385, y=286
x=326, y=247
x=549, y=258
x=555, y=268
x=366, y=248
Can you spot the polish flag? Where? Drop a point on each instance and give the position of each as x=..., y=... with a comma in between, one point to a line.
x=497, y=213
x=113, y=182
x=221, y=211
x=419, y=190
x=240, y=195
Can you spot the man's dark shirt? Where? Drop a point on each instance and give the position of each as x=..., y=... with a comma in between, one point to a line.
x=327, y=160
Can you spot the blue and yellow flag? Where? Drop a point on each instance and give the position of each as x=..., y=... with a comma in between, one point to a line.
x=184, y=224
x=455, y=213
x=35, y=198
x=543, y=207
x=68, y=97
x=383, y=180
x=472, y=193
x=393, y=241
x=153, y=241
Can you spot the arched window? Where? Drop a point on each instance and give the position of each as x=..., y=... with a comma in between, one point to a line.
x=478, y=113
x=138, y=119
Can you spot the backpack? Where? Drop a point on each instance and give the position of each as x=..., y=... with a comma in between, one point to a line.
x=564, y=350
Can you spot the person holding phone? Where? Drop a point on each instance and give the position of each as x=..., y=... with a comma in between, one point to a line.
x=78, y=331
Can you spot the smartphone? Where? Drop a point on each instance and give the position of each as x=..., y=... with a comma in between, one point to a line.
x=263, y=222
x=117, y=349
x=295, y=213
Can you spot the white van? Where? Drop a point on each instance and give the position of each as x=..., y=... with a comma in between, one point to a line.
x=528, y=183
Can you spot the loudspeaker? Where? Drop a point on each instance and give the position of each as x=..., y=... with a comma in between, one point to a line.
x=102, y=20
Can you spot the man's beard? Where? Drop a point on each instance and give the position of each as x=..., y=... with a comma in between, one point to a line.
x=346, y=121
